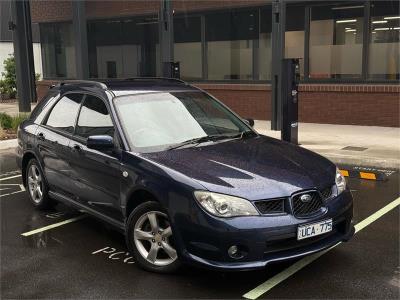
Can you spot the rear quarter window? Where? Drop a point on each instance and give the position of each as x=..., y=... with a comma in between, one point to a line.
x=41, y=109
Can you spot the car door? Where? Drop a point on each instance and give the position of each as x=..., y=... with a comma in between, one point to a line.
x=96, y=174
x=52, y=140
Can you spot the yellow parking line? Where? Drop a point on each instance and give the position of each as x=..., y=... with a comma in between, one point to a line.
x=367, y=175
x=53, y=226
x=278, y=278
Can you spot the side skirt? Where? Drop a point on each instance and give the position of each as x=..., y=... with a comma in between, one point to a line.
x=119, y=225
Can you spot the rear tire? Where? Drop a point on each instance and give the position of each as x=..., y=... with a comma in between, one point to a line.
x=36, y=185
x=149, y=239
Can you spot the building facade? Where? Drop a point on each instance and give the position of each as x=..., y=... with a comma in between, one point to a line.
x=6, y=39
x=349, y=51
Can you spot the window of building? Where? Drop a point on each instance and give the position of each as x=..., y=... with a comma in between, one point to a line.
x=58, y=51
x=187, y=46
x=265, y=44
x=231, y=38
x=124, y=48
x=64, y=113
x=94, y=118
x=384, y=48
x=336, y=41
x=294, y=34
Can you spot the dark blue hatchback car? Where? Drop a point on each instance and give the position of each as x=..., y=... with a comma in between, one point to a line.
x=185, y=178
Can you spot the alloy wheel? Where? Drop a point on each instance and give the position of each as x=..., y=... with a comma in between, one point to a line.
x=35, y=184
x=153, y=238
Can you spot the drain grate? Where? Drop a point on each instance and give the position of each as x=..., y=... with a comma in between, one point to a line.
x=351, y=148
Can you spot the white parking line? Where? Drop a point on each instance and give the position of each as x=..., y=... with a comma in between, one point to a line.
x=3, y=195
x=278, y=278
x=53, y=225
x=11, y=177
x=21, y=187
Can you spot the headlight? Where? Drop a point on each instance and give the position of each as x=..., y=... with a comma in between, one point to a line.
x=225, y=206
x=340, y=182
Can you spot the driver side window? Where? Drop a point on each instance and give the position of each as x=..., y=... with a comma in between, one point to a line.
x=94, y=118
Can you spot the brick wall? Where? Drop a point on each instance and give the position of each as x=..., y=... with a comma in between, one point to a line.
x=102, y=9
x=373, y=105
x=186, y=6
x=56, y=11
x=50, y=11
x=248, y=100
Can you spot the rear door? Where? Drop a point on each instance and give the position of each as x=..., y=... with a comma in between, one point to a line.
x=53, y=138
x=96, y=174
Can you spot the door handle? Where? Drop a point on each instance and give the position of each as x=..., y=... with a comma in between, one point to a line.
x=40, y=136
x=76, y=148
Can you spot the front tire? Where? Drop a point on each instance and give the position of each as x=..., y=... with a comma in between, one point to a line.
x=36, y=185
x=149, y=238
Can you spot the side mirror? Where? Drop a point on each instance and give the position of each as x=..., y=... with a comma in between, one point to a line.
x=249, y=121
x=100, y=142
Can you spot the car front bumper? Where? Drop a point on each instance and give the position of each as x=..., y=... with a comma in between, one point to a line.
x=204, y=240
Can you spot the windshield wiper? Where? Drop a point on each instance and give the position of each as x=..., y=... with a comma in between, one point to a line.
x=243, y=134
x=208, y=138
x=192, y=141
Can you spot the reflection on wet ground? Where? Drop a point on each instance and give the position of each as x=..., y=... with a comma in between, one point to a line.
x=89, y=259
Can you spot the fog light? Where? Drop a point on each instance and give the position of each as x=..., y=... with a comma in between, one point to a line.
x=234, y=252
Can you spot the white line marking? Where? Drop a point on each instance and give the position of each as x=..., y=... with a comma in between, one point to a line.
x=53, y=225
x=278, y=278
x=21, y=186
x=10, y=173
x=11, y=177
x=375, y=216
x=3, y=195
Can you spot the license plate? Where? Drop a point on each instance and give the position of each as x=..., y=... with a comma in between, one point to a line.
x=310, y=230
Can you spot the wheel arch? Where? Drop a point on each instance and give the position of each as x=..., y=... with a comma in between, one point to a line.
x=137, y=197
x=25, y=160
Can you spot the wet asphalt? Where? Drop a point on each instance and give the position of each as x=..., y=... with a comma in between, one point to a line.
x=76, y=260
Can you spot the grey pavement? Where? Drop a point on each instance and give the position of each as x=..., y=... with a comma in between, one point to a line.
x=377, y=147
x=11, y=108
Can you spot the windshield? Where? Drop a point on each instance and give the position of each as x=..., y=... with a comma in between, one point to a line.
x=157, y=121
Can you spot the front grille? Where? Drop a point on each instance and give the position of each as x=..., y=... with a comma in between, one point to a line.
x=302, y=208
x=326, y=193
x=272, y=206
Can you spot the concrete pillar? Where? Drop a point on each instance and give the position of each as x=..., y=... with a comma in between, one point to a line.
x=278, y=53
x=80, y=35
x=166, y=30
x=23, y=53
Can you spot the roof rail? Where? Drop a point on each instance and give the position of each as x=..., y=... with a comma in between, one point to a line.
x=83, y=83
x=156, y=78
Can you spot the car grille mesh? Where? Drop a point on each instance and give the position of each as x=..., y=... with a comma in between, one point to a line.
x=326, y=193
x=305, y=209
x=272, y=206
x=299, y=208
